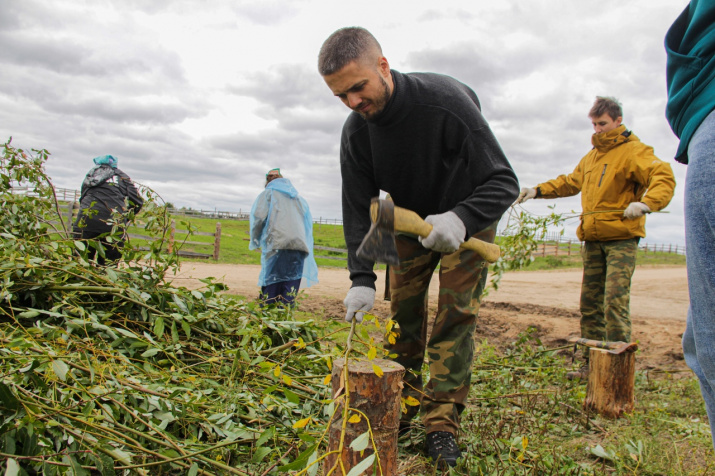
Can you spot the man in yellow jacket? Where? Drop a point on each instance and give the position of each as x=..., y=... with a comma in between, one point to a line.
x=620, y=180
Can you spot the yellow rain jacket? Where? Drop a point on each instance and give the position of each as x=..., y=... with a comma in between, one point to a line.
x=620, y=169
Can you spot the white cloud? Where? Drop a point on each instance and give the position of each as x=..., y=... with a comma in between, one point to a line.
x=199, y=100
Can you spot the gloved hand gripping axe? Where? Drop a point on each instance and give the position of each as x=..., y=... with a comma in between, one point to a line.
x=379, y=242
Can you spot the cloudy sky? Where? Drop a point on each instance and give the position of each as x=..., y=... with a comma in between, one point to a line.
x=199, y=99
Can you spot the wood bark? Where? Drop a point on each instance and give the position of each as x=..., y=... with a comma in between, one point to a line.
x=378, y=398
x=611, y=383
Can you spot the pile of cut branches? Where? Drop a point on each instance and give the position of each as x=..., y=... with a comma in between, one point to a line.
x=110, y=370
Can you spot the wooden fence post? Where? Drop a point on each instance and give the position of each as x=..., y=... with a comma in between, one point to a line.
x=217, y=240
x=170, y=245
x=70, y=216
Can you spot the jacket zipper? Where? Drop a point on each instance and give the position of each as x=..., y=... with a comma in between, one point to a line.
x=602, y=174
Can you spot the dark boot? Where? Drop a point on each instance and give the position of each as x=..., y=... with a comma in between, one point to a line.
x=442, y=448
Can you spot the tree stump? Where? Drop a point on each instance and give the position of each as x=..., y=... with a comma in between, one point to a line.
x=611, y=383
x=378, y=398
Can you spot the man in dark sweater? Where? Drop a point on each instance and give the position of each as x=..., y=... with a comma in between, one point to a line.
x=421, y=138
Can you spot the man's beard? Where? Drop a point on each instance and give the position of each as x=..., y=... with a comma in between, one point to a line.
x=379, y=103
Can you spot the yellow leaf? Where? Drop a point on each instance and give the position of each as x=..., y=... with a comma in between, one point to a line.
x=524, y=442
x=330, y=363
x=277, y=370
x=391, y=338
x=301, y=423
x=300, y=344
x=372, y=353
x=378, y=371
x=412, y=401
x=354, y=419
x=286, y=379
x=328, y=379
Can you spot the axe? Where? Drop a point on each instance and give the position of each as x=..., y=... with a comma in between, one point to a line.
x=379, y=242
x=610, y=347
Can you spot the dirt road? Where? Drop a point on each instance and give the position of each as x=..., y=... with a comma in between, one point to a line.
x=547, y=300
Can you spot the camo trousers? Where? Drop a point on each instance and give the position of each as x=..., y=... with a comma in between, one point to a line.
x=450, y=349
x=606, y=289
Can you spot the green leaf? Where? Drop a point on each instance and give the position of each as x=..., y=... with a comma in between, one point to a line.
x=362, y=466
x=80, y=245
x=601, y=453
x=28, y=314
x=77, y=468
x=361, y=442
x=151, y=352
x=259, y=454
x=291, y=396
x=193, y=470
x=8, y=398
x=159, y=326
x=265, y=436
x=12, y=468
x=60, y=369
x=174, y=333
x=300, y=462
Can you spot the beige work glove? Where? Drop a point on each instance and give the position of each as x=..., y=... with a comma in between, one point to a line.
x=526, y=194
x=636, y=210
x=448, y=232
x=359, y=300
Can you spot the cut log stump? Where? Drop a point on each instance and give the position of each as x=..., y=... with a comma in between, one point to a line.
x=378, y=398
x=611, y=383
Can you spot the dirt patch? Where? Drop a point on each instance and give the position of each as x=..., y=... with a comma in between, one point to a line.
x=546, y=300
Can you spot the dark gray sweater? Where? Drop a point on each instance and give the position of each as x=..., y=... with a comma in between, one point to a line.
x=432, y=151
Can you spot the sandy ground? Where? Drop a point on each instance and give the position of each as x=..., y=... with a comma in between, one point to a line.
x=547, y=300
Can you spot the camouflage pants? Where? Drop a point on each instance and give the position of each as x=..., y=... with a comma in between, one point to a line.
x=606, y=289
x=450, y=349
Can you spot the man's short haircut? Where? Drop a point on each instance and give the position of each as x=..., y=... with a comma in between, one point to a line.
x=606, y=105
x=346, y=45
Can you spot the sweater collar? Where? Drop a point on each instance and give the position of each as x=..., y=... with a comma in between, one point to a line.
x=395, y=108
x=606, y=141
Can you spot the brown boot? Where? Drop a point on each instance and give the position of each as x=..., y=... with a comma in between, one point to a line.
x=580, y=374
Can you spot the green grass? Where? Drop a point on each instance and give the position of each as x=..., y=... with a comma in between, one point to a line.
x=234, y=246
x=524, y=417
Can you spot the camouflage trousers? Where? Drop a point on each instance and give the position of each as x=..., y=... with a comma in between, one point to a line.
x=606, y=289
x=449, y=352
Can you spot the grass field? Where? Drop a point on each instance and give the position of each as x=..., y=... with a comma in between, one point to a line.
x=235, y=240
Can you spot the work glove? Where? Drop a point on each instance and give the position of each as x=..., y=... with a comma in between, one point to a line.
x=448, y=232
x=526, y=194
x=636, y=210
x=359, y=300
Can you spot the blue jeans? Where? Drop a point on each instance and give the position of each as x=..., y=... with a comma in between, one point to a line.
x=699, y=336
x=282, y=293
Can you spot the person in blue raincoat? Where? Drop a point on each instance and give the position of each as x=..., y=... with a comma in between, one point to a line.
x=282, y=227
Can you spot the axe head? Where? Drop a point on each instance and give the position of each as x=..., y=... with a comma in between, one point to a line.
x=379, y=242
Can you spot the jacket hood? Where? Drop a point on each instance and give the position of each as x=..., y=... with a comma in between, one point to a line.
x=98, y=175
x=283, y=185
x=606, y=141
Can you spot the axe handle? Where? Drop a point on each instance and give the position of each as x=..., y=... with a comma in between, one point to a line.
x=614, y=346
x=408, y=221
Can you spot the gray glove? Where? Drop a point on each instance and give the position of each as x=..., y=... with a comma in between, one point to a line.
x=526, y=194
x=448, y=232
x=636, y=210
x=359, y=300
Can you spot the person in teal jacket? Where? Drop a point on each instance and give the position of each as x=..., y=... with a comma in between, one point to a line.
x=282, y=227
x=690, y=44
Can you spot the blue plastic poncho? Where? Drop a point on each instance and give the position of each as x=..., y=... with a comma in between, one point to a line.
x=281, y=220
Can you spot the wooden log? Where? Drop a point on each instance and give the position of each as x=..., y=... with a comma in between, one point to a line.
x=378, y=398
x=611, y=383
